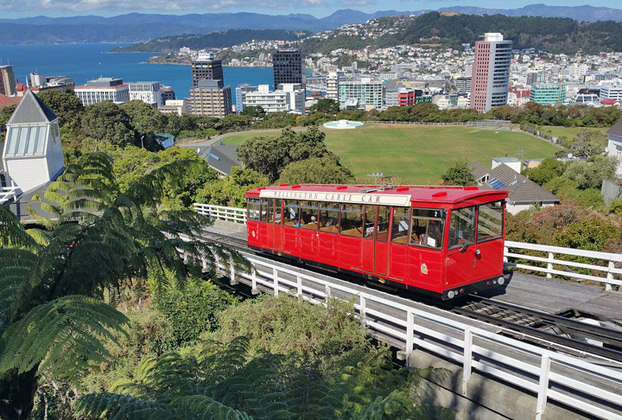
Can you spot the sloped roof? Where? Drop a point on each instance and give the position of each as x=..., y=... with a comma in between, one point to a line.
x=521, y=188
x=616, y=130
x=31, y=109
x=8, y=100
x=221, y=157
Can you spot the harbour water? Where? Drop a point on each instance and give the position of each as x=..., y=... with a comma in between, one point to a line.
x=84, y=62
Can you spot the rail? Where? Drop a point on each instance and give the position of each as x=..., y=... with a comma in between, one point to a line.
x=550, y=375
x=593, y=266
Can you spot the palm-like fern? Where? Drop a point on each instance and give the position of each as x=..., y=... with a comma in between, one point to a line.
x=94, y=239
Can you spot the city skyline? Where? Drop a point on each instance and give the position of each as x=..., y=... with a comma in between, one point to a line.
x=318, y=8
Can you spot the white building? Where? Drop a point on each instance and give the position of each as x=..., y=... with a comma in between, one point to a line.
x=148, y=92
x=614, y=148
x=332, y=86
x=611, y=91
x=365, y=93
x=176, y=106
x=32, y=154
x=103, y=89
x=290, y=97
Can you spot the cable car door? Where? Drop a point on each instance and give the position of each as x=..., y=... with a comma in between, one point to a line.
x=462, y=263
x=381, y=241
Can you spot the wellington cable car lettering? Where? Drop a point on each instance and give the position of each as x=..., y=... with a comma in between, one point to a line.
x=354, y=198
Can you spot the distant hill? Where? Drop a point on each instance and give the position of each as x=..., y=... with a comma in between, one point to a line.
x=140, y=27
x=220, y=39
x=436, y=29
x=581, y=13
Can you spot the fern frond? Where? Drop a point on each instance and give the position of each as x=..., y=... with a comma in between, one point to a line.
x=208, y=408
x=70, y=326
x=12, y=233
x=122, y=406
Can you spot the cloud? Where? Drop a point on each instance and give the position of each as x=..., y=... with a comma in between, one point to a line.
x=77, y=6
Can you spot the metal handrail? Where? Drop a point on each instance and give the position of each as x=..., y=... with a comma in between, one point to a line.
x=602, y=267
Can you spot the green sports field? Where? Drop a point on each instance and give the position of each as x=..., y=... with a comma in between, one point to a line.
x=420, y=154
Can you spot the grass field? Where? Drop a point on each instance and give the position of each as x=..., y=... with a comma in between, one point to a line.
x=571, y=132
x=420, y=154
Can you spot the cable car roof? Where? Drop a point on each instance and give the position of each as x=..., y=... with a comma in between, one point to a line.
x=402, y=195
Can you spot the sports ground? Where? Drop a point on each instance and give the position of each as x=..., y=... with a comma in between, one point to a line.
x=420, y=154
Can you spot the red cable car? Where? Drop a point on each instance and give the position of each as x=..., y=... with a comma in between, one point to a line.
x=447, y=241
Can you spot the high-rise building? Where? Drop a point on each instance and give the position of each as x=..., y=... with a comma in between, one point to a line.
x=332, y=86
x=211, y=99
x=205, y=67
x=491, y=72
x=463, y=84
x=547, y=93
x=289, y=97
x=7, y=81
x=288, y=68
x=363, y=94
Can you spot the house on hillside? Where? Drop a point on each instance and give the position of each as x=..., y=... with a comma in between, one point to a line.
x=523, y=193
x=32, y=154
x=220, y=157
x=614, y=148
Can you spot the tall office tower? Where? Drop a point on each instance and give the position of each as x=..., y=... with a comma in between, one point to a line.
x=332, y=86
x=7, y=81
x=287, y=67
x=491, y=72
x=210, y=98
x=206, y=68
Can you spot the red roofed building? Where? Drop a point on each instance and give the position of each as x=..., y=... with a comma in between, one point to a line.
x=8, y=100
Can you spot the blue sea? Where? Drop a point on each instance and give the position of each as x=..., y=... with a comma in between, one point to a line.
x=84, y=62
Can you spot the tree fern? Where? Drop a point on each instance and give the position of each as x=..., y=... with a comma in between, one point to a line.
x=62, y=335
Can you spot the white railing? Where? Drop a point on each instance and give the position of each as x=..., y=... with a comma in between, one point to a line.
x=9, y=193
x=602, y=267
x=230, y=214
x=574, y=382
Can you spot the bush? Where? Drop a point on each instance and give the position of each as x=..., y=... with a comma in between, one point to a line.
x=192, y=311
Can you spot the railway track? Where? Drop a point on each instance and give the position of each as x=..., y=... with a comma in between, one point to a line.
x=556, y=332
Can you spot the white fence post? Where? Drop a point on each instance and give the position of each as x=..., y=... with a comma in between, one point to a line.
x=468, y=357
x=327, y=292
x=299, y=287
x=275, y=275
x=543, y=388
x=608, y=285
x=254, y=289
x=410, y=330
x=232, y=279
x=362, y=310
x=549, y=266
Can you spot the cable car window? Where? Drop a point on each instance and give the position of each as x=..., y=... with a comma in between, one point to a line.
x=265, y=209
x=308, y=214
x=427, y=228
x=382, y=227
x=329, y=217
x=490, y=221
x=462, y=227
x=352, y=220
x=253, y=209
x=370, y=221
x=292, y=210
x=399, y=229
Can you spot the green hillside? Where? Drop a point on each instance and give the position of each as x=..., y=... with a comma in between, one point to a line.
x=420, y=154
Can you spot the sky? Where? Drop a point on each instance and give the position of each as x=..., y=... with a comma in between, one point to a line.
x=318, y=8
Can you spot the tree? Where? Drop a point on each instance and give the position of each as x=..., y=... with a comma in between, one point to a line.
x=256, y=112
x=548, y=169
x=107, y=122
x=52, y=318
x=587, y=143
x=591, y=174
x=67, y=107
x=5, y=115
x=231, y=190
x=324, y=170
x=145, y=119
x=458, y=174
x=325, y=106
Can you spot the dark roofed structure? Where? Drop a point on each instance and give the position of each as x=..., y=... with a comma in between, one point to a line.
x=615, y=130
x=31, y=109
x=523, y=192
x=220, y=157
